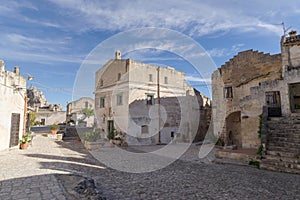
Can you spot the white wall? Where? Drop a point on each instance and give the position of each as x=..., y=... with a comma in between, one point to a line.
x=52, y=117
x=11, y=101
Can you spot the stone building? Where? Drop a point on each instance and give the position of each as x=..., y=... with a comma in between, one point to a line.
x=250, y=81
x=12, y=106
x=132, y=96
x=46, y=112
x=75, y=112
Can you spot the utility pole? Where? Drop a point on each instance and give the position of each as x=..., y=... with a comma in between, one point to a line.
x=158, y=102
x=25, y=114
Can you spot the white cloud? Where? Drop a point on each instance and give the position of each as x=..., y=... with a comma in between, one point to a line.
x=192, y=17
x=41, y=50
x=220, y=52
x=194, y=78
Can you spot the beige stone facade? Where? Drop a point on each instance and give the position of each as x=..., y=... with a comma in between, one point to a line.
x=74, y=111
x=249, y=81
x=46, y=112
x=12, y=105
x=126, y=99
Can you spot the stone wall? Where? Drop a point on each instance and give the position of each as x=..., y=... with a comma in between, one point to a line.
x=134, y=81
x=51, y=117
x=291, y=68
x=74, y=110
x=12, y=94
x=245, y=73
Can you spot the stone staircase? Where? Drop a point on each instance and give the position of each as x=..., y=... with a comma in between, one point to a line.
x=283, y=144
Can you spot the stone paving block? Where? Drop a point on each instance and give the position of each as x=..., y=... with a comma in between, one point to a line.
x=188, y=176
x=47, y=196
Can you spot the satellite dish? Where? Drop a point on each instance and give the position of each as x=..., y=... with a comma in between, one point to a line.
x=30, y=77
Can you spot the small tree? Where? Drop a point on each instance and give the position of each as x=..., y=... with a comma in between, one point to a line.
x=32, y=118
x=87, y=113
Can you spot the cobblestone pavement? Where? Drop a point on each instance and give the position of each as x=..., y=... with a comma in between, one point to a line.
x=52, y=170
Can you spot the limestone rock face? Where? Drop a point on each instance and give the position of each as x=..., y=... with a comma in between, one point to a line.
x=37, y=100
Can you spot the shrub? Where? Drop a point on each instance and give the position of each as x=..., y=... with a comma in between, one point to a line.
x=92, y=136
x=54, y=127
x=111, y=135
x=254, y=163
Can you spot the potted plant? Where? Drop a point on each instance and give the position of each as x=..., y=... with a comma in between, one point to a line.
x=117, y=138
x=92, y=140
x=111, y=136
x=53, y=128
x=24, y=142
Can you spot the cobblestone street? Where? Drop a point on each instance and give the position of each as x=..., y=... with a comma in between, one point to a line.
x=52, y=170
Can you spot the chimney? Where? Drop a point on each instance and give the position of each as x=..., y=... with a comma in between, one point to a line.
x=118, y=55
x=17, y=70
x=2, y=65
x=292, y=33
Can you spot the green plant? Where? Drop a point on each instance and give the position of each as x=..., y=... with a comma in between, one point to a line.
x=260, y=150
x=54, y=127
x=254, y=163
x=87, y=113
x=111, y=134
x=259, y=126
x=215, y=139
x=92, y=136
x=220, y=142
x=80, y=121
x=261, y=147
x=26, y=138
x=32, y=118
x=37, y=123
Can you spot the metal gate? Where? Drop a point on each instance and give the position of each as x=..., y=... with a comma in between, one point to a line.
x=14, y=129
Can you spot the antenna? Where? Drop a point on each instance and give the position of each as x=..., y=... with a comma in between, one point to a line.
x=285, y=30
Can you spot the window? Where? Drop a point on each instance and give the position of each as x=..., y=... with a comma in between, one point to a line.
x=228, y=92
x=150, y=78
x=119, y=76
x=150, y=99
x=273, y=98
x=127, y=65
x=145, y=129
x=109, y=112
x=119, y=99
x=86, y=104
x=101, y=82
x=166, y=80
x=102, y=102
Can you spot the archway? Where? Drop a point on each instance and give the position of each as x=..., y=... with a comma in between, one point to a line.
x=233, y=129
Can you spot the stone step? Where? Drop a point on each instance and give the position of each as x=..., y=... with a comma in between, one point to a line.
x=283, y=139
x=278, y=168
x=283, y=122
x=284, y=129
x=282, y=154
x=284, y=135
x=292, y=117
x=283, y=164
x=282, y=159
x=284, y=144
x=283, y=149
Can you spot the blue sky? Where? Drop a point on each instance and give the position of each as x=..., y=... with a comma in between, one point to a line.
x=51, y=39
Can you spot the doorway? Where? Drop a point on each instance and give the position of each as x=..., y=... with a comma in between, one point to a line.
x=294, y=92
x=233, y=129
x=14, y=129
x=110, y=126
